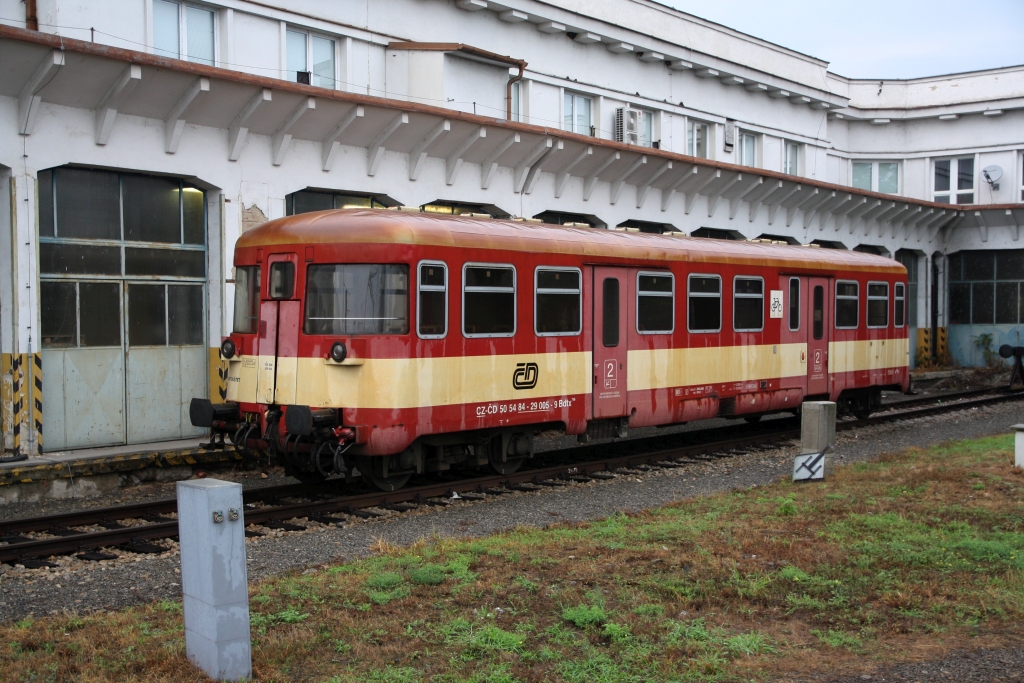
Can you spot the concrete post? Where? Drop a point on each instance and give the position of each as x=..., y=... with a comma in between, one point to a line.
x=1018, y=457
x=214, y=582
x=817, y=435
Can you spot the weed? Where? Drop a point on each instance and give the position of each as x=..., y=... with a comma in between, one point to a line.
x=837, y=639
x=427, y=575
x=384, y=581
x=583, y=616
x=618, y=633
x=752, y=643
x=652, y=610
x=384, y=597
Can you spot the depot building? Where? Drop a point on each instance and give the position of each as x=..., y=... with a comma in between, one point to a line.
x=139, y=139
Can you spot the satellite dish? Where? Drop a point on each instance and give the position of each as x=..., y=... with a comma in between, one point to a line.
x=992, y=174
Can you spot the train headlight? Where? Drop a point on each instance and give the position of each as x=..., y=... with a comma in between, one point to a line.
x=339, y=352
x=227, y=349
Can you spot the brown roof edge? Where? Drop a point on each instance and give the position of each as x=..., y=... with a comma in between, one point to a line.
x=458, y=47
x=146, y=59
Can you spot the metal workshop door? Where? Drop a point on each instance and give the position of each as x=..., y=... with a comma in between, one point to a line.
x=610, y=341
x=818, y=326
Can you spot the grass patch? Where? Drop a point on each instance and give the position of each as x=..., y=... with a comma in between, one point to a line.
x=923, y=549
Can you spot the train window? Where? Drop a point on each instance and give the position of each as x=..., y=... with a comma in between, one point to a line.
x=898, y=305
x=705, y=303
x=282, y=280
x=488, y=300
x=655, y=297
x=432, y=306
x=819, y=312
x=794, y=304
x=878, y=304
x=748, y=304
x=247, y=299
x=610, y=313
x=357, y=298
x=558, y=309
x=847, y=305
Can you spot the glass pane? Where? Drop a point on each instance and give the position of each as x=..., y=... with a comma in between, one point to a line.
x=748, y=286
x=705, y=313
x=357, y=298
x=296, y=54
x=706, y=285
x=489, y=313
x=954, y=263
x=176, y=262
x=942, y=175
x=582, y=115
x=247, y=299
x=846, y=313
x=792, y=151
x=57, y=314
x=747, y=151
x=979, y=265
x=194, y=208
x=432, y=314
x=1006, y=303
x=654, y=313
x=748, y=314
x=898, y=306
x=959, y=304
x=794, y=304
x=888, y=177
x=146, y=315
x=942, y=199
x=558, y=313
x=477, y=276
x=282, y=280
x=819, y=312
x=965, y=174
x=199, y=32
x=655, y=283
x=610, y=312
x=79, y=259
x=152, y=210
x=982, y=304
x=846, y=289
x=304, y=202
x=165, y=29
x=323, y=62
x=558, y=279
x=88, y=204
x=700, y=132
x=432, y=275
x=878, y=312
x=185, y=315
x=100, y=312
x=1010, y=265
x=862, y=176
x=878, y=290
x=690, y=131
x=912, y=304
x=646, y=128
x=1020, y=301
x=45, y=183
x=567, y=113
x=965, y=198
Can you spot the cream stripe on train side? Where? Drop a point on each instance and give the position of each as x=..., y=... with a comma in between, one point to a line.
x=664, y=368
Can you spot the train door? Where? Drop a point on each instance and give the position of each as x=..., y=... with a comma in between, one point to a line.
x=818, y=327
x=277, y=342
x=610, y=306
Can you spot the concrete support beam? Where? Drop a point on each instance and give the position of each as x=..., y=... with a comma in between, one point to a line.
x=791, y=212
x=523, y=167
x=174, y=124
x=330, y=144
x=591, y=180
x=1011, y=218
x=717, y=196
x=619, y=47
x=563, y=175
x=825, y=208
x=643, y=189
x=773, y=208
x=106, y=110
x=29, y=98
x=551, y=27
x=979, y=218
x=490, y=165
x=812, y=210
x=534, y=173
x=684, y=177
x=754, y=203
x=751, y=189
x=418, y=155
x=283, y=136
x=375, y=152
x=860, y=210
x=691, y=196
x=238, y=130
x=454, y=161
x=513, y=16
x=620, y=180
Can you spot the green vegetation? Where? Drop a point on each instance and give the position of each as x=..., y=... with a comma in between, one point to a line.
x=923, y=549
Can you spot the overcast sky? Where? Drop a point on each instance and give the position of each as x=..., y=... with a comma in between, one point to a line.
x=881, y=38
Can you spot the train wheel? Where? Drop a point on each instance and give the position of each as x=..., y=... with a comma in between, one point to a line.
x=752, y=419
x=508, y=466
x=372, y=469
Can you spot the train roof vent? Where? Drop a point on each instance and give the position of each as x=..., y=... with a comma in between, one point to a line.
x=408, y=209
x=811, y=245
x=479, y=215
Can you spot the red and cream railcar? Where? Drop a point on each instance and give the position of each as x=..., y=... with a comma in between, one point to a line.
x=398, y=342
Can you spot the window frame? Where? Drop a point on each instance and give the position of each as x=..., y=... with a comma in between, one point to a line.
x=875, y=175
x=952, y=195
x=515, y=299
x=183, y=32
x=537, y=290
x=575, y=95
x=786, y=146
x=703, y=295
x=672, y=294
x=735, y=296
x=835, y=300
x=292, y=76
x=691, y=138
x=432, y=288
x=741, y=160
x=799, y=306
x=899, y=293
x=869, y=299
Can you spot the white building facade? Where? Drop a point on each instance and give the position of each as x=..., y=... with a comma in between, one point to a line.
x=140, y=138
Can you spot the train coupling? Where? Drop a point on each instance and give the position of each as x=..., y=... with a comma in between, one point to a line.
x=315, y=441
x=206, y=414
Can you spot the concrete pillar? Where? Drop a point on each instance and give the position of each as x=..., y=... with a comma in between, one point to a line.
x=214, y=582
x=817, y=435
x=1018, y=457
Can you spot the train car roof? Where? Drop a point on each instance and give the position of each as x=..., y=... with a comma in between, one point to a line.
x=379, y=226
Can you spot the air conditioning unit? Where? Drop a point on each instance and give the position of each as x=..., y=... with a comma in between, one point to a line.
x=627, y=125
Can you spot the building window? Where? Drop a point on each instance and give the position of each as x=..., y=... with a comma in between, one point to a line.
x=954, y=181
x=306, y=50
x=432, y=307
x=488, y=300
x=558, y=307
x=517, y=101
x=305, y=201
x=748, y=146
x=748, y=304
x=877, y=176
x=577, y=113
x=697, y=139
x=183, y=32
x=985, y=287
x=704, y=310
x=655, y=297
x=910, y=260
x=847, y=305
x=791, y=162
x=645, y=134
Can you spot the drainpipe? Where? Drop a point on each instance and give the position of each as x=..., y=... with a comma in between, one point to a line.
x=508, y=91
x=31, y=20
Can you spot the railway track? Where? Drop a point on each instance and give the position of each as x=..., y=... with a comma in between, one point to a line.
x=136, y=528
